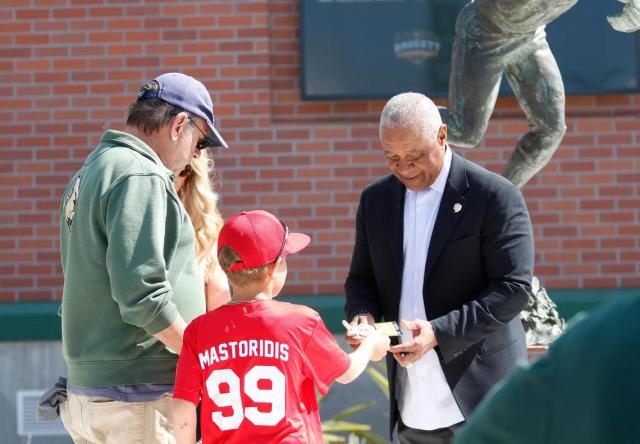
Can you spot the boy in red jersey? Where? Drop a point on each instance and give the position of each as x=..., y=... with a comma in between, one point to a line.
x=255, y=362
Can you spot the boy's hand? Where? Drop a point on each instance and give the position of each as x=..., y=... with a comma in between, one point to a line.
x=351, y=336
x=379, y=344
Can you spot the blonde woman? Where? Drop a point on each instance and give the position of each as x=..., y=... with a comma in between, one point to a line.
x=200, y=201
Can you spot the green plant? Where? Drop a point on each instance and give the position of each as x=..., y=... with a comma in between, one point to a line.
x=379, y=376
x=339, y=430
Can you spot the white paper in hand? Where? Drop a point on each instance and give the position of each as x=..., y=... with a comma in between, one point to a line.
x=361, y=330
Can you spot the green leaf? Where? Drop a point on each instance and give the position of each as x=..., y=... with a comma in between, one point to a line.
x=372, y=438
x=356, y=431
x=380, y=380
x=328, y=437
x=344, y=426
x=353, y=410
x=382, y=365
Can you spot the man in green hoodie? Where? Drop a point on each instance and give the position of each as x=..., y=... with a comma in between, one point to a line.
x=131, y=283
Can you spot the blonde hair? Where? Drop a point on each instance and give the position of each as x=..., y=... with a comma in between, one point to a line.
x=201, y=203
x=240, y=278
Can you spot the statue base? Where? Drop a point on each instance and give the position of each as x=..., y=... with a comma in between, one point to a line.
x=540, y=318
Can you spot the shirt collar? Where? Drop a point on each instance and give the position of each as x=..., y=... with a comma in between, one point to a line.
x=133, y=143
x=441, y=181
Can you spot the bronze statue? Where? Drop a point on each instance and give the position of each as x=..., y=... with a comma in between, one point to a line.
x=629, y=19
x=508, y=36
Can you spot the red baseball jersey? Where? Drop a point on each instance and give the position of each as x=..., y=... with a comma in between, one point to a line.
x=254, y=366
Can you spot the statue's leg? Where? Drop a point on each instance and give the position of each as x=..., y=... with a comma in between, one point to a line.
x=474, y=81
x=537, y=84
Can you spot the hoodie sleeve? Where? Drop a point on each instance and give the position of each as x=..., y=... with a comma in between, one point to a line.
x=138, y=242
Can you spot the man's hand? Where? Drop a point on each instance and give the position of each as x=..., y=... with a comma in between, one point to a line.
x=629, y=19
x=355, y=340
x=424, y=339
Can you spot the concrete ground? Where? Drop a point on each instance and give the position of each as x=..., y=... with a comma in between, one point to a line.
x=37, y=365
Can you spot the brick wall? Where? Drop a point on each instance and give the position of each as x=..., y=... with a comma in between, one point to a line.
x=69, y=68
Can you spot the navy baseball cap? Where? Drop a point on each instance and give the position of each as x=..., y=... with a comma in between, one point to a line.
x=191, y=95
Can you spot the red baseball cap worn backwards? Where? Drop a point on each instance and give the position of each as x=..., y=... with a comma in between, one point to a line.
x=259, y=238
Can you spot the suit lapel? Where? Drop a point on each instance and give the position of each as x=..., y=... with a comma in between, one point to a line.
x=452, y=199
x=396, y=234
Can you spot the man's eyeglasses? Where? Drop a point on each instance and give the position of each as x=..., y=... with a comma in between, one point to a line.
x=284, y=240
x=202, y=143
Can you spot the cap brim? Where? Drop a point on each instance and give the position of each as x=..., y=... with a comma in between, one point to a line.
x=216, y=139
x=295, y=243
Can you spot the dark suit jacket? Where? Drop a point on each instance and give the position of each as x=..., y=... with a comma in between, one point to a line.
x=477, y=275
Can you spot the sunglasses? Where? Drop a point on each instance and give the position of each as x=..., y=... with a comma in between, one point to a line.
x=205, y=142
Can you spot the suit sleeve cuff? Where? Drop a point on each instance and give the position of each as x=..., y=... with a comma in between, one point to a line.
x=446, y=349
x=362, y=310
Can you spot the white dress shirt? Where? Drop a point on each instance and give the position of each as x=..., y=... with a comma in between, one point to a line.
x=424, y=398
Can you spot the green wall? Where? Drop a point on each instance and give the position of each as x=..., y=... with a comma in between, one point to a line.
x=40, y=321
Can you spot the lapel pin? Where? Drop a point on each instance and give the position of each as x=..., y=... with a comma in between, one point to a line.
x=457, y=207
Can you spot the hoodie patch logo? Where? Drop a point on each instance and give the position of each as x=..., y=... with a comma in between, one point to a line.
x=70, y=203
